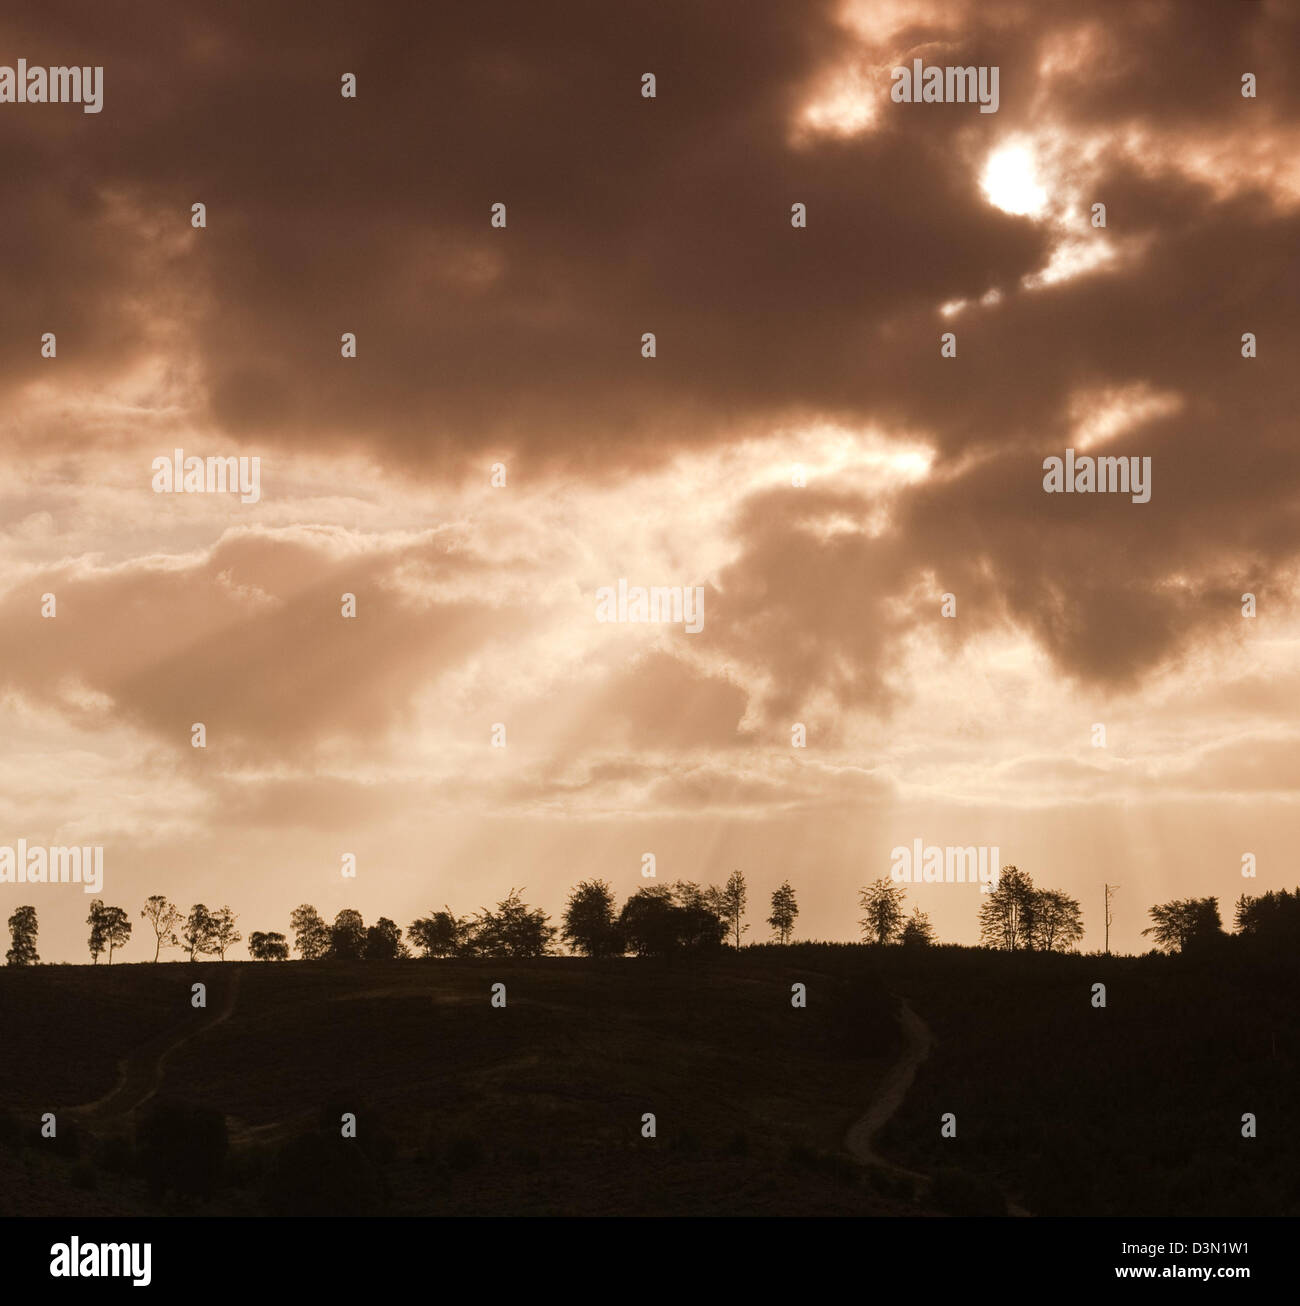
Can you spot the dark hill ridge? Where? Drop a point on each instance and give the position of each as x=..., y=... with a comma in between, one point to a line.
x=537, y=1107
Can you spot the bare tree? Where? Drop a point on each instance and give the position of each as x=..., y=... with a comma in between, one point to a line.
x=224, y=934
x=164, y=917
x=730, y=908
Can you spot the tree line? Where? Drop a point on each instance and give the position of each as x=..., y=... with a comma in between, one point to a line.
x=654, y=921
x=1013, y=916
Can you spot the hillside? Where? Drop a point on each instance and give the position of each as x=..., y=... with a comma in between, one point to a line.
x=536, y=1108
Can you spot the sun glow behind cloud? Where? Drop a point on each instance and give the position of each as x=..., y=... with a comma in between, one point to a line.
x=1011, y=182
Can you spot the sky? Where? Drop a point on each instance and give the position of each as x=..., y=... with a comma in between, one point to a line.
x=501, y=448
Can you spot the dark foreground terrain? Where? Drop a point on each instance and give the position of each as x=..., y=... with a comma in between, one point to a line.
x=537, y=1108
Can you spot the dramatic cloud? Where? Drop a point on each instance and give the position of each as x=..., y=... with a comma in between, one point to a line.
x=865, y=516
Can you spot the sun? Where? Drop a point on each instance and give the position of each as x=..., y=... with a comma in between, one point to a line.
x=1010, y=182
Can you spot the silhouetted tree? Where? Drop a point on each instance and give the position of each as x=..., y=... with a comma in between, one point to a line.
x=1056, y=921
x=882, y=901
x=731, y=901
x=686, y=893
x=347, y=936
x=1244, y=916
x=311, y=936
x=589, y=925
x=267, y=947
x=110, y=928
x=117, y=930
x=197, y=933
x=1007, y=914
x=440, y=934
x=1271, y=919
x=163, y=917
x=648, y=923
x=224, y=934
x=512, y=930
x=699, y=926
x=384, y=941
x=23, y=930
x=1186, y=924
x=95, y=920
x=784, y=910
x=658, y=920
x=917, y=932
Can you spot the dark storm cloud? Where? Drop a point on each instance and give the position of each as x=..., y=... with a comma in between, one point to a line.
x=672, y=215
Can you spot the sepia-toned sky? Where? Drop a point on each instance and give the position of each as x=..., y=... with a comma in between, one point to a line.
x=776, y=347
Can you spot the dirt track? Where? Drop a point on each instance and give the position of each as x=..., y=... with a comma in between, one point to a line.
x=139, y=1074
x=860, y=1140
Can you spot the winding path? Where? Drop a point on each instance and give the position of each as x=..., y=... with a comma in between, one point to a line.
x=860, y=1140
x=140, y=1072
